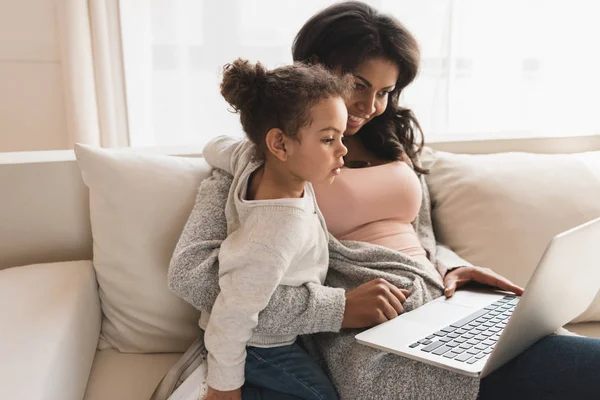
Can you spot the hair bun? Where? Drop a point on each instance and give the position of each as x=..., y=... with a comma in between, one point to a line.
x=242, y=83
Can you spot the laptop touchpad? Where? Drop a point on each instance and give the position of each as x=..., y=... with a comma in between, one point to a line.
x=438, y=314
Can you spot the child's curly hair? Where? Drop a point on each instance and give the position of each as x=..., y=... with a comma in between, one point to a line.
x=279, y=98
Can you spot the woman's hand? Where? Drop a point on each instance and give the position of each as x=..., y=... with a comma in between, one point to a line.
x=214, y=394
x=372, y=303
x=463, y=275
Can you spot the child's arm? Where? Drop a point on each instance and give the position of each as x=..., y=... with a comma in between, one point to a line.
x=251, y=268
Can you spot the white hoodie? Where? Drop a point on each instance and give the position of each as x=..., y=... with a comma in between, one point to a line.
x=269, y=243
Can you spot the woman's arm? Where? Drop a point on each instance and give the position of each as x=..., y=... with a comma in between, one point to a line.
x=193, y=272
x=222, y=150
x=449, y=258
x=424, y=228
x=441, y=256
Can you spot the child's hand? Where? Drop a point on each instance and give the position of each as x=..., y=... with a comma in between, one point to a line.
x=214, y=394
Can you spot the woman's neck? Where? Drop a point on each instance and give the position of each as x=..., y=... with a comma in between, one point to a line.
x=274, y=182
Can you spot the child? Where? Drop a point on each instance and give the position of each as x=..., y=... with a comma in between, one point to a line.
x=294, y=118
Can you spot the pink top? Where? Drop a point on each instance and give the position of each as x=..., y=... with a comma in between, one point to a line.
x=374, y=205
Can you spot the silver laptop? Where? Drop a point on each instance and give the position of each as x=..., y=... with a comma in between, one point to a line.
x=477, y=331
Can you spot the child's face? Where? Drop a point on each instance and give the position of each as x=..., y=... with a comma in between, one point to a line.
x=318, y=156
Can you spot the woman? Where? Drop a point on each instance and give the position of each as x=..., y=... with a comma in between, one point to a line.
x=382, y=140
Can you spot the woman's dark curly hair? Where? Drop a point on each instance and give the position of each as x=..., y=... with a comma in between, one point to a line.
x=279, y=98
x=346, y=34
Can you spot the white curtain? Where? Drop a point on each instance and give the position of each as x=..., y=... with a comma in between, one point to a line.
x=92, y=62
x=490, y=69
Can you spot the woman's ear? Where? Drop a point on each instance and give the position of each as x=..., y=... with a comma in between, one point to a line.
x=276, y=143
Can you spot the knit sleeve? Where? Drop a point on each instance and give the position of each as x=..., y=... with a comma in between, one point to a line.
x=221, y=152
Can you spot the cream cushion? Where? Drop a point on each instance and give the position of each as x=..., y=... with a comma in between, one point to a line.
x=590, y=329
x=139, y=204
x=502, y=210
x=49, y=326
x=120, y=376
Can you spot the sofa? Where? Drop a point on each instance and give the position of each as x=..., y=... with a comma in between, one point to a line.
x=86, y=237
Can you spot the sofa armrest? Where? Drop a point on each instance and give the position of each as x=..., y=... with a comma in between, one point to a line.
x=49, y=326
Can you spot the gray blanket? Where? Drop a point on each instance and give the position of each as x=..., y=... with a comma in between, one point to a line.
x=357, y=371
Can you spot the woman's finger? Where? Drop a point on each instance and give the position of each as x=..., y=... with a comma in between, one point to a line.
x=505, y=284
x=491, y=278
x=450, y=286
x=454, y=284
x=455, y=279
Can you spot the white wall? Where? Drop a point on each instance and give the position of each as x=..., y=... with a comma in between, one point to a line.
x=32, y=106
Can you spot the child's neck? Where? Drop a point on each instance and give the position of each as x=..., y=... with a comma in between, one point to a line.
x=274, y=182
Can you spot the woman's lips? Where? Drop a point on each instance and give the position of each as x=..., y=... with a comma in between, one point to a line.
x=354, y=121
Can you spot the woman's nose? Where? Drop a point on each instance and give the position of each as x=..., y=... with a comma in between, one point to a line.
x=367, y=105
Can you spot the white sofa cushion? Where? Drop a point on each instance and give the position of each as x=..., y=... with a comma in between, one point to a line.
x=49, y=327
x=139, y=204
x=502, y=210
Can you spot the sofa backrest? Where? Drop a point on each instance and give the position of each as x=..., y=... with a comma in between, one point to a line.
x=44, y=210
x=44, y=207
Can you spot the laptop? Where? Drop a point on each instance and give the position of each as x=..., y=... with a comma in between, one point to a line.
x=476, y=331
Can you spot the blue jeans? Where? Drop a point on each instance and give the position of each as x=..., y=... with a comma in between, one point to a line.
x=556, y=367
x=284, y=372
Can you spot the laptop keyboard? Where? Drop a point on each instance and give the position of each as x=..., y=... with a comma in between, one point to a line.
x=473, y=337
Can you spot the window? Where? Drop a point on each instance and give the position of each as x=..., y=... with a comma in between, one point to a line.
x=516, y=68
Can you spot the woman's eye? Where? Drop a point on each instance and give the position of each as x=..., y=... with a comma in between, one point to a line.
x=383, y=94
x=359, y=86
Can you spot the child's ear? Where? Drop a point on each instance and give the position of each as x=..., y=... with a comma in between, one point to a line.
x=276, y=142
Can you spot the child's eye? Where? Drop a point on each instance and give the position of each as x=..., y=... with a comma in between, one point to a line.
x=327, y=141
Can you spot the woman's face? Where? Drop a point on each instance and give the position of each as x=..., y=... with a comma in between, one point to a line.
x=374, y=81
